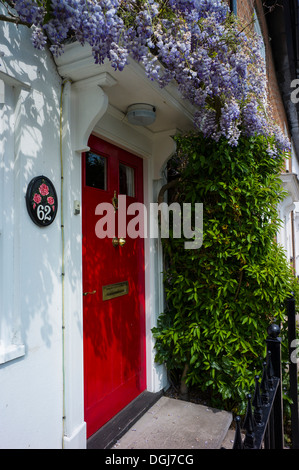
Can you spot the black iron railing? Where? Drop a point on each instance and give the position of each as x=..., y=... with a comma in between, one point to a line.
x=263, y=422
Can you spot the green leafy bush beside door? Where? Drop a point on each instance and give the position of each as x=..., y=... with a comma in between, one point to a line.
x=221, y=298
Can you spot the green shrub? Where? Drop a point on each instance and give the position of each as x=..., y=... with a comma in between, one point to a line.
x=221, y=298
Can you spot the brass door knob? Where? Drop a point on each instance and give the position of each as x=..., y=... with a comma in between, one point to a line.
x=118, y=241
x=115, y=241
x=121, y=241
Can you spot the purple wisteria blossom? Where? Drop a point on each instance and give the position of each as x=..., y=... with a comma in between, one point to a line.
x=196, y=43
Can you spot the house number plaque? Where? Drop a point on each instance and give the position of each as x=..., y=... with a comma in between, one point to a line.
x=41, y=201
x=115, y=290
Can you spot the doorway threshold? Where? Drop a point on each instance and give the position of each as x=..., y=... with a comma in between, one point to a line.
x=112, y=431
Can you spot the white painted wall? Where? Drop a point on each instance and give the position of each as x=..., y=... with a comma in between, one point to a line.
x=30, y=257
x=288, y=214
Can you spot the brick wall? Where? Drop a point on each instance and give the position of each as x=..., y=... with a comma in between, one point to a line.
x=245, y=11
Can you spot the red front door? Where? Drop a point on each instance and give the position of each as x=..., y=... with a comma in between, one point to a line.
x=113, y=285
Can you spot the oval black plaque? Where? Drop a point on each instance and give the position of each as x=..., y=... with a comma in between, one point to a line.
x=41, y=200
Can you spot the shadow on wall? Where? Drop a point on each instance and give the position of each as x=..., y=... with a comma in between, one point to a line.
x=33, y=149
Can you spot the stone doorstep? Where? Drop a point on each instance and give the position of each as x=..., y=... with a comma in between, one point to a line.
x=177, y=424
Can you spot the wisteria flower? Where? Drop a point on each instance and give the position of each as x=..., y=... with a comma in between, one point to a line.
x=195, y=43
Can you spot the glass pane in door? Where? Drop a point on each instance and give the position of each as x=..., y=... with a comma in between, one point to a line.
x=126, y=180
x=96, y=171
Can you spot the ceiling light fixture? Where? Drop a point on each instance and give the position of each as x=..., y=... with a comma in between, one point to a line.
x=141, y=114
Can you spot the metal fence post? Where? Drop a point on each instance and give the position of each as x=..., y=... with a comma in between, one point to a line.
x=274, y=346
x=291, y=313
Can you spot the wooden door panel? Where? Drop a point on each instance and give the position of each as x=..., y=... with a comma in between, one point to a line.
x=114, y=329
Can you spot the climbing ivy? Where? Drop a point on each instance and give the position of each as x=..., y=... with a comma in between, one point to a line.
x=221, y=298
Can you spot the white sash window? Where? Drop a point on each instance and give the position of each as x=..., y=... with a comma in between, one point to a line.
x=11, y=345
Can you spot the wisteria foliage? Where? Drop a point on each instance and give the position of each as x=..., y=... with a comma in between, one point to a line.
x=196, y=43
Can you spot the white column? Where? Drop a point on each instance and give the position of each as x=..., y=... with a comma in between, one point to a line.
x=83, y=105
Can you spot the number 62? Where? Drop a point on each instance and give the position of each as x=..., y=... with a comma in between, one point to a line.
x=43, y=212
